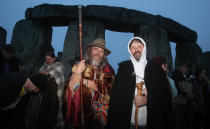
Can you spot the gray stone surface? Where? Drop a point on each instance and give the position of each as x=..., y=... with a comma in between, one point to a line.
x=91, y=30
x=190, y=53
x=206, y=62
x=157, y=42
x=60, y=55
x=32, y=37
x=31, y=41
x=114, y=18
x=3, y=36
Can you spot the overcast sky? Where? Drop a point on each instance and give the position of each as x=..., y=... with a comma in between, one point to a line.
x=191, y=13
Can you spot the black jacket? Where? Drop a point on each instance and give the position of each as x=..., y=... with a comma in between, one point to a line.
x=159, y=105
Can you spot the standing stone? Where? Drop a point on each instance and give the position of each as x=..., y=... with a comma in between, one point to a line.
x=60, y=55
x=157, y=42
x=3, y=35
x=31, y=41
x=190, y=53
x=114, y=19
x=90, y=31
x=206, y=62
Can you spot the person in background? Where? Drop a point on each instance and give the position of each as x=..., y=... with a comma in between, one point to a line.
x=56, y=70
x=185, y=105
x=202, y=98
x=162, y=62
x=8, y=63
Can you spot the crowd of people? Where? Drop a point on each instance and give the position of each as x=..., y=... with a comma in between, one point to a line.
x=143, y=94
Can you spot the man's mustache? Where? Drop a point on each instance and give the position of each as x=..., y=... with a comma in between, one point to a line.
x=137, y=52
x=97, y=55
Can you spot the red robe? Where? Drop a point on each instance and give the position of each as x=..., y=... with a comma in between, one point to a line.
x=95, y=103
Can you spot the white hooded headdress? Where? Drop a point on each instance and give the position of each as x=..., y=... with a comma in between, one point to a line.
x=139, y=66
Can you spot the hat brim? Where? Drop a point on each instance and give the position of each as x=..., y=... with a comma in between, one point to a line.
x=106, y=50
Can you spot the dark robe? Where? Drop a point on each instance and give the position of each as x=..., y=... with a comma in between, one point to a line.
x=30, y=113
x=10, y=87
x=159, y=104
x=42, y=109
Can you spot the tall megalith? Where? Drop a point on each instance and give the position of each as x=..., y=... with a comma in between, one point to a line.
x=157, y=42
x=206, y=62
x=31, y=40
x=189, y=53
x=91, y=30
x=3, y=35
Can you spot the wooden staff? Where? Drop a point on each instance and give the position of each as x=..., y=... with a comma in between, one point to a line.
x=139, y=88
x=81, y=58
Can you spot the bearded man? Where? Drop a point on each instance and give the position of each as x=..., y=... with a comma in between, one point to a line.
x=152, y=109
x=98, y=78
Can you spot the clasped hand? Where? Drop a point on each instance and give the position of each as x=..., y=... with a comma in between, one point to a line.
x=142, y=99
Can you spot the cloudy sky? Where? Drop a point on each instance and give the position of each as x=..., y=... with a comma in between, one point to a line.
x=191, y=13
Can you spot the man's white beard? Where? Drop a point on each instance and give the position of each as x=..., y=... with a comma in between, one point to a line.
x=95, y=63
